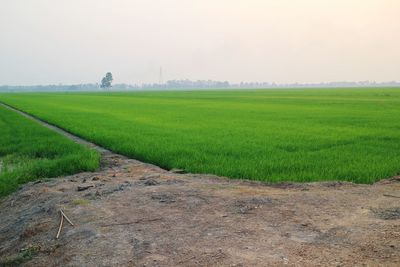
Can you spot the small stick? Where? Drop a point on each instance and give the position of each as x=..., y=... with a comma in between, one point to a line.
x=63, y=214
x=388, y=195
x=134, y=222
x=61, y=225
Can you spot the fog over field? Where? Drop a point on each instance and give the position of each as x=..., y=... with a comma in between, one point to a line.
x=285, y=41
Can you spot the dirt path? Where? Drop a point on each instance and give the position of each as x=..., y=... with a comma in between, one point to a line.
x=136, y=214
x=57, y=129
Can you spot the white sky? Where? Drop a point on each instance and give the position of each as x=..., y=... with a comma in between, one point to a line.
x=77, y=41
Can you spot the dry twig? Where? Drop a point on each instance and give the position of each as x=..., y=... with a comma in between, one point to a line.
x=65, y=216
x=134, y=222
x=62, y=222
x=388, y=195
x=61, y=225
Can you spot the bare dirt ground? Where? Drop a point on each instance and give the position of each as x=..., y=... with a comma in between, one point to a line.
x=136, y=214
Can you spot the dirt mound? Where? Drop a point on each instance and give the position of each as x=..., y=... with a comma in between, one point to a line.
x=136, y=214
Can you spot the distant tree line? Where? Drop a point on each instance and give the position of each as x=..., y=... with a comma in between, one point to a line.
x=186, y=84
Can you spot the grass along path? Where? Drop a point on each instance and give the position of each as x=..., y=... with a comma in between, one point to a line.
x=29, y=151
x=269, y=135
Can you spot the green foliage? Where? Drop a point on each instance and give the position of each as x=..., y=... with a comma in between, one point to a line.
x=20, y=258
x=270, y=135
x=106, y=81
x=29, y=151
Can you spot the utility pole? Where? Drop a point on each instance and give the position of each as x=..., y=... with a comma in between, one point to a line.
x=161, y=79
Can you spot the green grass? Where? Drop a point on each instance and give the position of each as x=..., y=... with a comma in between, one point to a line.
x=269, y=135
x=22, y=257
x=29, y=151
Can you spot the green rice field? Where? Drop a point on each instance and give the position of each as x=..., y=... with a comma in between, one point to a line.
x=29, y=152
x=299, y=135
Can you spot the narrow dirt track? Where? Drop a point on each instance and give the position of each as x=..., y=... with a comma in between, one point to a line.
x=136, y=214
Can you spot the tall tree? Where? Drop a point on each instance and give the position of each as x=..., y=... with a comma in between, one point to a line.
x=106, y=81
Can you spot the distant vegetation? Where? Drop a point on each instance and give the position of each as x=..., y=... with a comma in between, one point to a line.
x=270, y=135
x=107, y=80
x=29, y=151
x=188, y=84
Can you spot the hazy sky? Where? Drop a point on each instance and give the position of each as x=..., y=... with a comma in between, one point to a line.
x=77, y=41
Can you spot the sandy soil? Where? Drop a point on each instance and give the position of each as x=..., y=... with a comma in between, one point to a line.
x=136, y=214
